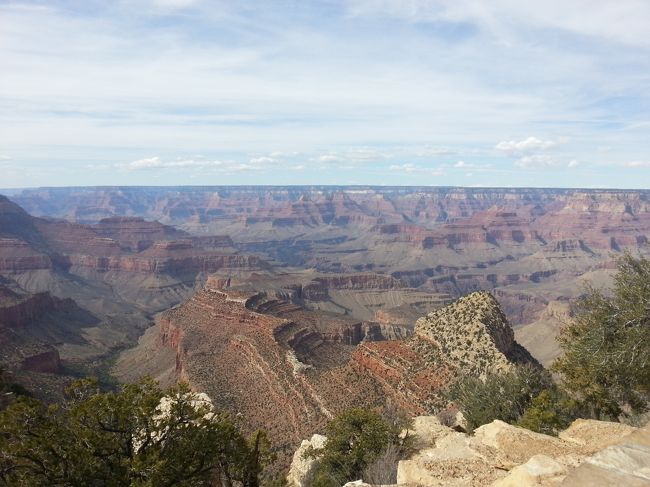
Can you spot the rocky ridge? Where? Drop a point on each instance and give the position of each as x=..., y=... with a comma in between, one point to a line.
x=588, y=453
x=471, y=335
x=249, y=362
x=288, y=369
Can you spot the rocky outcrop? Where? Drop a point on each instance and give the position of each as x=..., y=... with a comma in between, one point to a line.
x=135, y=233
x=47, y=361
x=303, y=468
x=18, y=256
x=501, y=455
x=470, y=336
x=474, y=333
x=283, y=368
x=23, y=309
x=317, y=290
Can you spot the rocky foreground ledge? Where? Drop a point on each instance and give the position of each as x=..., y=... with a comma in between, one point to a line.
x=587, y=454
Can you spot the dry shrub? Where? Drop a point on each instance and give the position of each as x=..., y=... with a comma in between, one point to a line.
x=383, y=471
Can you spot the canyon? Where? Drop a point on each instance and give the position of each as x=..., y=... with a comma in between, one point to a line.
x=534, y=248
x=289, y=304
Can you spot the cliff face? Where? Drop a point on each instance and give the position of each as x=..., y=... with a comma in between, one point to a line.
x=232, y=353
x=126, y=244
x=21, y=346
x=18, y=256
x=467, y=215
x=136, y=234
x=284, y=368
x=318, y=289
x=22, y=310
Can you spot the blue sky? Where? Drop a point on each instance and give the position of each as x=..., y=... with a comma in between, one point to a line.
x=431, y=92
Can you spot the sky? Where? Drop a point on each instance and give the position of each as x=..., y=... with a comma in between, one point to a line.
x=552, y=93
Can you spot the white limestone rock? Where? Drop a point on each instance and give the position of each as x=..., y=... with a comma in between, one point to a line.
x=302, y=470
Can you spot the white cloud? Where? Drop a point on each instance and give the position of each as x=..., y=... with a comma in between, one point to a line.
x=536, y=161
x=637, y=164
x=263, y=160
x=352, y=157
x=157, y=163
x=148, y=163
x=531, y=144
x=4, y=157
x=366, y=154
x=573, y=163
x=469, y=165
x=624, y=21
x=428, y=151
x=330, y=158
x=413, y=169
x=418, y=93
x=174, y=4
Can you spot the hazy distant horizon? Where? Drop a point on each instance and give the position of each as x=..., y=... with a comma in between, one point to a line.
x=10, y=191
x=378, y=92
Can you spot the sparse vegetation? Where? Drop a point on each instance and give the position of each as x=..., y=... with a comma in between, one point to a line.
x=126, y=438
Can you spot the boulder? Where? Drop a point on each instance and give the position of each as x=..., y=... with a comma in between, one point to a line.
x=502, y=455
x=515, y=446
x=453, y=462
x=626, y=464
x=595, y=435
x=540, y=470
x=302, y=470
x=426, y=430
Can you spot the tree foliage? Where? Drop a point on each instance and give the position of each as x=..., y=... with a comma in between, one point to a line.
x=606, y=361
x=9, y=390
x=355, y=439
x=123, y=438
x=504, y=396
x=551, y=411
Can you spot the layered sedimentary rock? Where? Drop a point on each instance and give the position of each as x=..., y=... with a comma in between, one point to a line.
x=21, y=346
x=539, y=242
x=19, y=310
x=246, y=361
x=135, y=233
x=114, y=244
x=18, y=256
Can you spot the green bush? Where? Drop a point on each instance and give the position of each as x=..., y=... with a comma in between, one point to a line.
x=550, y=412
x=503, y=396
x=355, y=440
x=124, y=438
x=606, y=361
